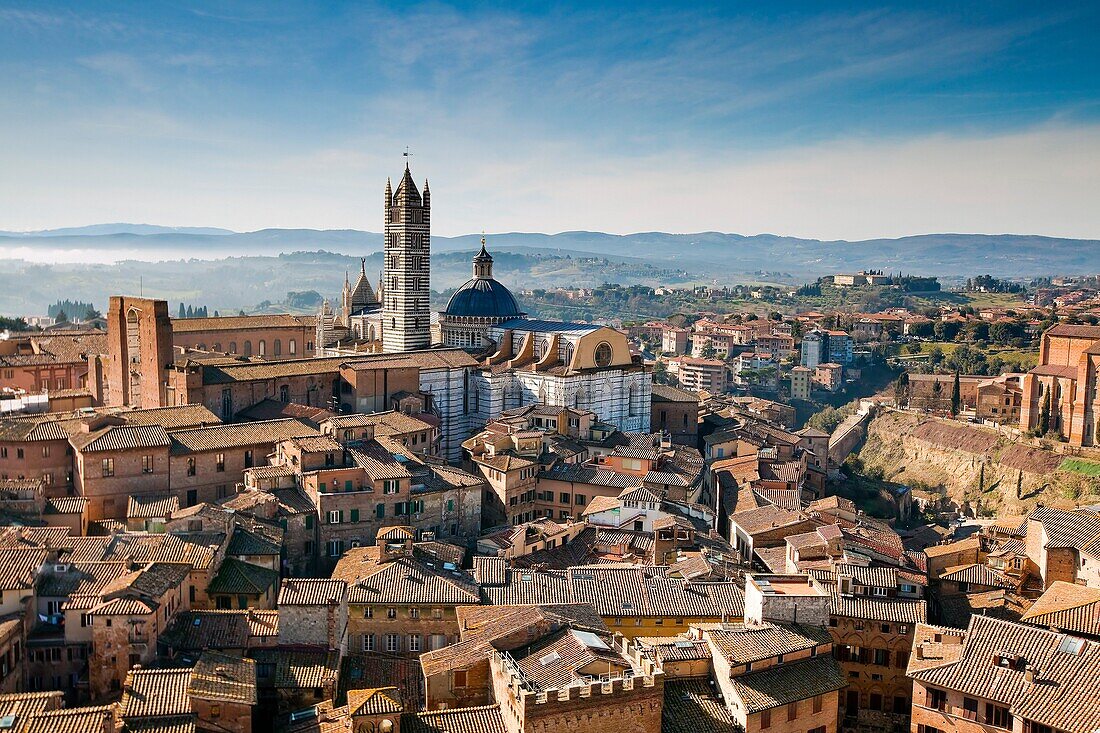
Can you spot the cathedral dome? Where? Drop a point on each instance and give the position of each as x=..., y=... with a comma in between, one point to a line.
x=483, y=297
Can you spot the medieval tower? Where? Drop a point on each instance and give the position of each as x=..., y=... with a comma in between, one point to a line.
x=406, y=270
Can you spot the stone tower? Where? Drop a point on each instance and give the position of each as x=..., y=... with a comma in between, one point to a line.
x=406, y=323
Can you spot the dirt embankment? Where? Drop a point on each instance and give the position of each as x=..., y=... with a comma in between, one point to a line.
x=970, y=463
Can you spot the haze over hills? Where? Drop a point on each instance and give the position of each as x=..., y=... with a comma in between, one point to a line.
x=718, y=254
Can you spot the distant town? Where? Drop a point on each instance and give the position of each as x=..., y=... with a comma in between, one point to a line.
x=867, y=503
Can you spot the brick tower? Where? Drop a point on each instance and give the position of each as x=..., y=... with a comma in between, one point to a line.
x=406, y=321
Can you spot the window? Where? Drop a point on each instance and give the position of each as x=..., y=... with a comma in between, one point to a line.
x=335, y=548
x=393, y=643
x=284, y=393
x=45, y=451
x=248, y=459
x=414, y=613
x=190, y=466
x=970, y=708
x=146, y=464
x=998, y=716
x=901, y=659
x=565, y=498
x=380, y=511
x=766, y=719
x=108, y=467
x=458, y=678
x=220, y=463
x=391, y=613
x=335, y=517
x=937, y=699
x=792, y=711
x=580, y=500
x=603, y=354
x=293, y=346
x=354, y=515
x=368, y=639
x=414, y=642
x=882, y=657
x=391, y=486
x=817, y=704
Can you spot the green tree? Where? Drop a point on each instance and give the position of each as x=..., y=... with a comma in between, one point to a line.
x=61, y=317
x=1044, y=413
x=956, y=396
x=183, y=313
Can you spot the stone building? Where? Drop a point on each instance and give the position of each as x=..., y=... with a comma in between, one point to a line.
x=406, y=275
x=54, y=363
x=403, y=595
x=676, y=412
x=133, y=611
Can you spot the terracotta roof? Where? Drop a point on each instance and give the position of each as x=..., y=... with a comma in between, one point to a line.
x=298, y=669
x=236, y=577
x=172, y=724
x=193, y=630
x=224, y=677
x=1065, y=528
x=239, y=323
x=66, y=505
x=384, y=423
x=691, y=705
x=741, y=643
x=72, y=720
x=765, y=518
x=121, y=437
x=560, y=659
x=483, y=719
x=1063, y=694
x=977, y=574
x=312, y=591
x=1068, y=607
x=789, y=682
x=155, y=693
x=970, y=543
x=170, y=418
x=238, y=435
x=148, y=506
x=404, y=580
x=18, y=566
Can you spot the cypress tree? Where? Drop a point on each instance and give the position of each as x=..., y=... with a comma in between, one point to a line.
x=956, y=396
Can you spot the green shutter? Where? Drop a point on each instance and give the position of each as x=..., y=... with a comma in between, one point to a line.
x=309, y=521
x=341, y=515
x=380, y=511
x=450, y=505
x=354, y=515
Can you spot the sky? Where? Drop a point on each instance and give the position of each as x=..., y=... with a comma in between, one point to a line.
x=818, y=119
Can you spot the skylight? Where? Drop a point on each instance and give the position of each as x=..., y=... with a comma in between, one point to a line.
x=590, y=640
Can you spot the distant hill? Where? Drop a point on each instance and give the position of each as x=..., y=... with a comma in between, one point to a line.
x=714, y=253
x=99, y=229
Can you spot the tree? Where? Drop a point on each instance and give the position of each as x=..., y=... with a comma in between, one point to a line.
x=1044, y=413
x=190, y=312
x=183, y=313
x=901, y=389
x=61, y=317
x=956, y=396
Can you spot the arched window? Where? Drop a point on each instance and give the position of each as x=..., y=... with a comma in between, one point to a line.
x=232, y=347
x=293, y=347
x=248, y=348
x=217, y=347
x=284, y=393
x=278, y=347
x=263, y=347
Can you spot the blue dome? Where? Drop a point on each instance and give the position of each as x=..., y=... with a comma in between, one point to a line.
x=483, y=297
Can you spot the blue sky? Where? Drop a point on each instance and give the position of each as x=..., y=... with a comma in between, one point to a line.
x=812, y=119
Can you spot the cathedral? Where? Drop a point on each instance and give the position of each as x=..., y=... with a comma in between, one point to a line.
x=516, y=361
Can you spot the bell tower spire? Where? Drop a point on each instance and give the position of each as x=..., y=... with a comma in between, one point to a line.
x=406, y=322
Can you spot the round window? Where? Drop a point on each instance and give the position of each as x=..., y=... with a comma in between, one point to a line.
x=603, y=354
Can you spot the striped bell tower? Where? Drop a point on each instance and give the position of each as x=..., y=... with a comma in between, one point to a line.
x=406, y=271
